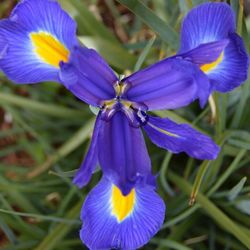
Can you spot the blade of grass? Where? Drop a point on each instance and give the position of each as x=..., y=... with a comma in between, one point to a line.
x=87, y=22
x=8, y=232
x=116, y=55
x=75, y=141
x=48, y=109
x=170, y=243
x=163, y=174
x=144, y=54
x=52, y=239
x=41, y=217
x=18, y=197
x=228, y=172
x=166, y=33
x=219, y=217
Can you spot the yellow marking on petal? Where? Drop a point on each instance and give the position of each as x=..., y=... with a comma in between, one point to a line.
x=126, y=104
x=163, y=131
x=210, y=66
x=122, y=206
x=49, y=49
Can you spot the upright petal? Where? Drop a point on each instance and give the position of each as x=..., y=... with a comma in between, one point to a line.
x=88, y=76
x=90, y=161
x=38, y=35
x=206, y=23
x=180, y=138
x=169, y=84
x=206, y=53
x=114, y=221
x=122, y=152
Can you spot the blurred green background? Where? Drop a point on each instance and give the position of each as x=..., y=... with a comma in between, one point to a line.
x=45, y=132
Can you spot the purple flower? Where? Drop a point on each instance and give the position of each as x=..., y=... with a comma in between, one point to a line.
x=36, y=37
x=117, y=143
x=209, y=40
x=123, y=211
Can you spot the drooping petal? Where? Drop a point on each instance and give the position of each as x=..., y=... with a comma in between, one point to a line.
x=122, y=152
x=38, y=36
x=231, y=68
x=88, y=76
x=90, y=161
x=180, y=138
x=208, y=22
x=114, y=221
x=169, y=84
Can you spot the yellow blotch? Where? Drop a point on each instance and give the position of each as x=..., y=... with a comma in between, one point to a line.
x=210, y=66
x=122, y=205
x=49, y=49
x=163, y=131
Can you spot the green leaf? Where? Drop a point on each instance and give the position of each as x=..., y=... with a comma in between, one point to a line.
x=87, y=22
x=58, y=233
x=75, y=141
x=244, y=206
x=115, y=55
x=230, y=169
x=42, y=217
x=8, y=232
x=47, y=109
x=235, y=191
x=214, y=212
x=166, y=33
x=144, y=54
x=170, y=244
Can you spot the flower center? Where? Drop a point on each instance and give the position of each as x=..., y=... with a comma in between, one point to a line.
x=135, y=112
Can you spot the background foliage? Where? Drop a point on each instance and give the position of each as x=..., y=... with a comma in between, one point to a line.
x=45, y=131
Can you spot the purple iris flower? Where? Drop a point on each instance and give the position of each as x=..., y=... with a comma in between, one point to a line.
x=118, y=145
x=117, y=142
x=209, y=40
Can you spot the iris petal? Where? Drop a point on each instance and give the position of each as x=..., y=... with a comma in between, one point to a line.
x=206, y=53
x=171, y=83
x=103, y=230
x=88, y=76
x=233, y=68
x=206, y=23
x=38, y=35
x=122, y=152
x=180, y=138
x=89, y=164
x=47, y=16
